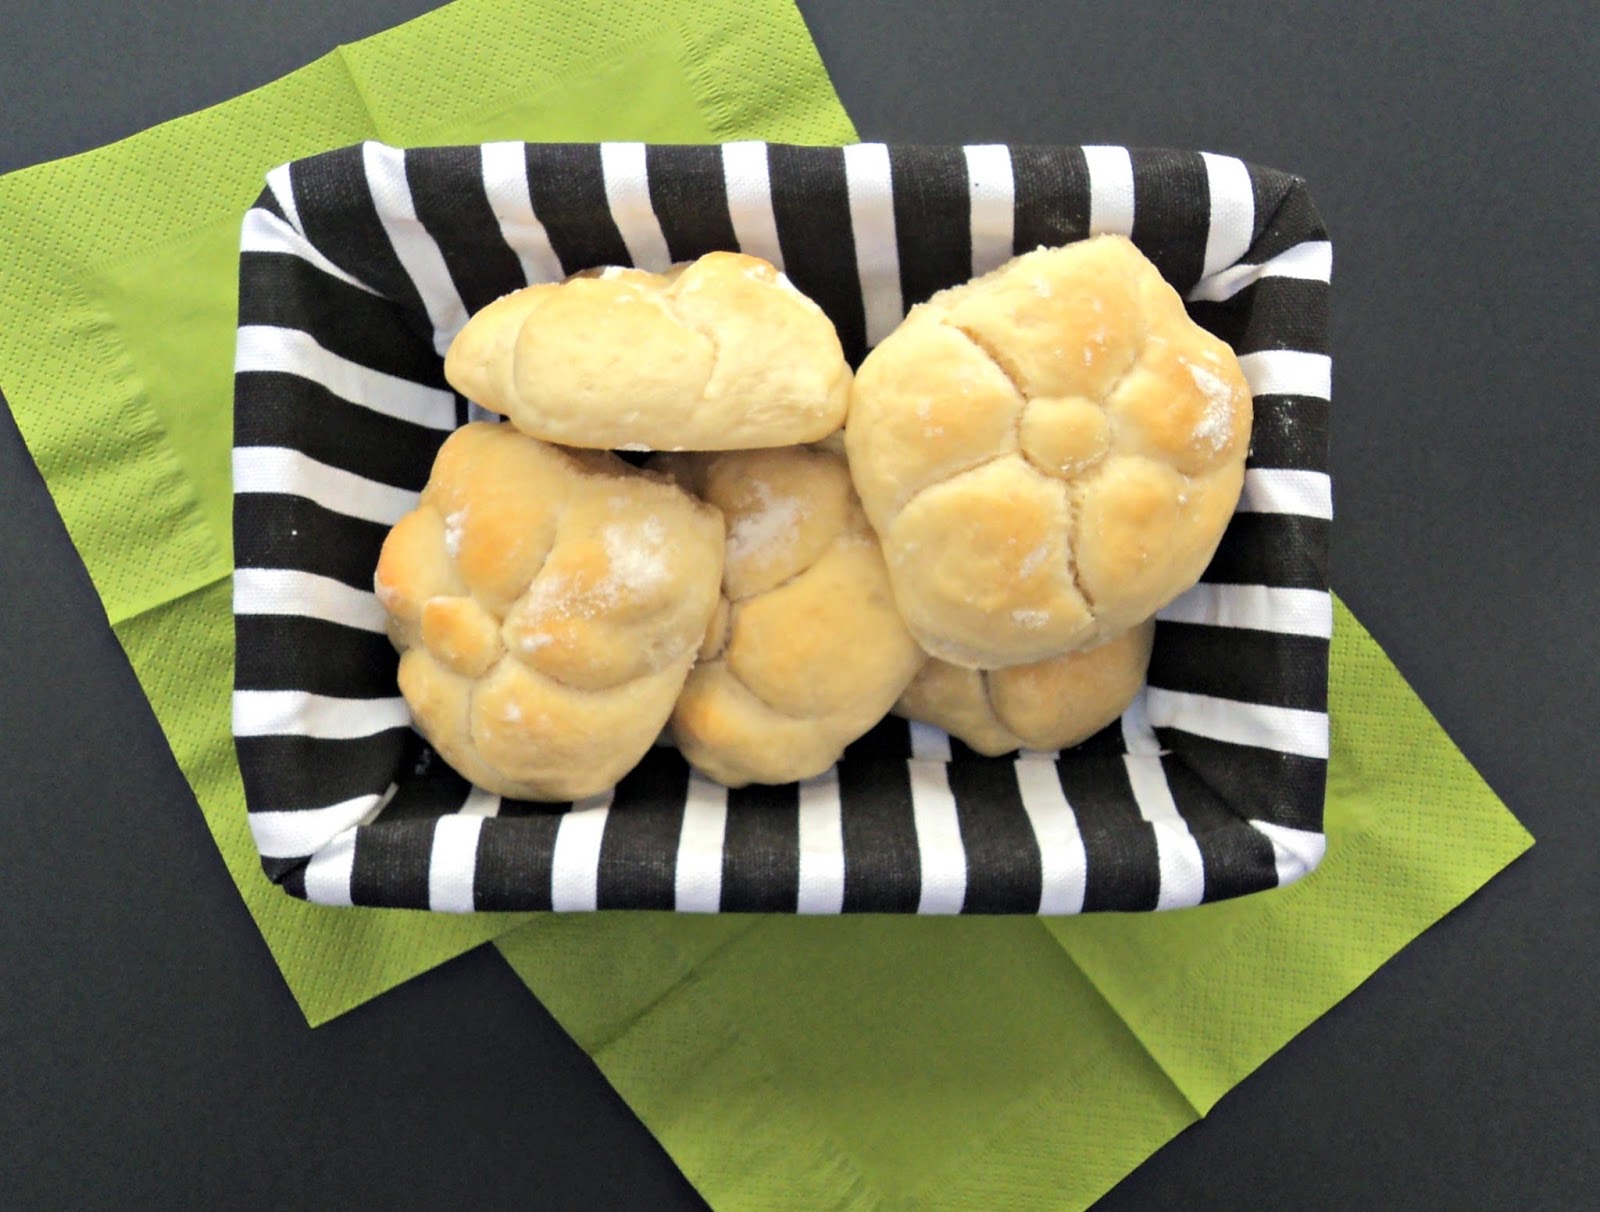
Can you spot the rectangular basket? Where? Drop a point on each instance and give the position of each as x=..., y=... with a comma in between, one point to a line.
x=357, y=268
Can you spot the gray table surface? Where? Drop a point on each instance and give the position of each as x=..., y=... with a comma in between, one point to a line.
x=149, y=1053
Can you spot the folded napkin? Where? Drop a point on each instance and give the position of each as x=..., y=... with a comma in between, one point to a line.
x=1018, y=1063
x=864, y=1063
x=129, y=256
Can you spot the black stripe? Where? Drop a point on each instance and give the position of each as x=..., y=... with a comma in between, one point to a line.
x=447, y=194
x=292, y=880
x=1271, y=313
x=514, y=808
x=339, y=217
x=1290, y=432
x=639, y=849
x=1169, y=226
x=1050, y=197
x=1236, y=859
x=1122, y=869
x=390, y=867
x=437, y=791
x=1004, y=871
x=882, y=862
x=761, y=850
x=1239, y=663
x=1255, y=784
x=268, y=201
x=280, y=531
x=283, y=291
x=1288, y=551
x=1107, y=743
x=285, y=773
x=889, y=740
x=514, y=862
x=568, y=191
x=271, y=408
x=1293, y=220
x=932, y=219
x=295, y=652
x=811, y=205
x=689, y=194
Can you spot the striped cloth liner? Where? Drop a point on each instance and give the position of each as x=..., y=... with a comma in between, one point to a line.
x=357, y=268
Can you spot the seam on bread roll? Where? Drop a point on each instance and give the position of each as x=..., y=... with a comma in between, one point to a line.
x=730, y=357
x=1065, y=401
x=806, y=651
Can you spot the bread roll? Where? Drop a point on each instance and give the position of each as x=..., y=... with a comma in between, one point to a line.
x=1050, y=454
x=806, y=652
x=1051, y=704
x=547, y=605
x=719, y=354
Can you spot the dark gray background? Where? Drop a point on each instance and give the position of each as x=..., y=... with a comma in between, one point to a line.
x=149, y=1053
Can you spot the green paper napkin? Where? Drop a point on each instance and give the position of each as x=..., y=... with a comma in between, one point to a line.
x=1019, y=1063
x=127, y=258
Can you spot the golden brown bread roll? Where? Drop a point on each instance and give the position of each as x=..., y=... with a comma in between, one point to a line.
x=1052, y=704
x=547, y=605
x=719, y=354
x=1050, y=453
x=806, y=651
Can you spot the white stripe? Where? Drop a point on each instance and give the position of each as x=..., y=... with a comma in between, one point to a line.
x=929, y=743
x=279, y=469
x=697, y=883
x=1279, y=490
x=1182, y=872
x=1295, y=852
x=1110, y=190
x=821, y=845
x=264, y=232
x=575, y=858
x=867, y=180
x=628, y=194
x=453, y=865
x=289, y=591
x=282, y=187
x=322, y=716
x=1288, y=372
x=942, y=856
x=746, y=177
x=419, y=254
x=1233, y=212
x=1256, y=607
x=328, y=872
x=1063, y=863
x=265, y=347
x=991, y=197
x=505, y=183
x=479, y=803
x=306, y=830
x=1137, y=736
x=1311, y=261
x=1285, y=729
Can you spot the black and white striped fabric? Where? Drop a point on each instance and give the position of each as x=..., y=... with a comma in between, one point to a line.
x=358, y=267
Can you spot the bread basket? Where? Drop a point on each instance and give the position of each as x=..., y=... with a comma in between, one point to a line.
x=359, y=265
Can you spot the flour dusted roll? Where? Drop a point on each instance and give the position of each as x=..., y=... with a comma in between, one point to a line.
x=1052, y=704
x=547, y=605
x=722, y=353
x=806, y=651
x=1050, y=453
